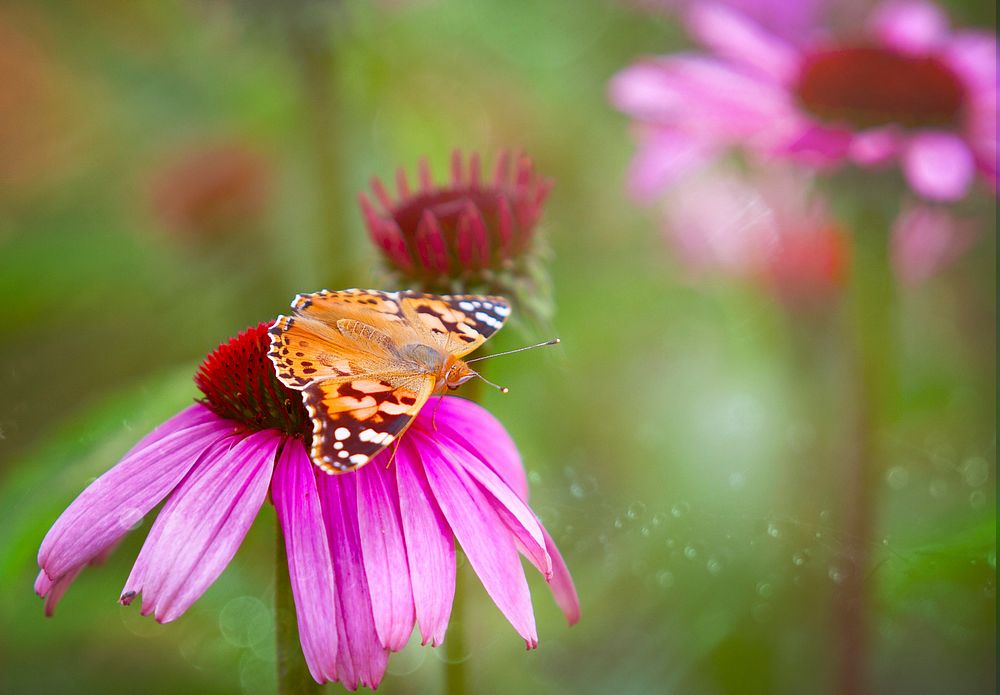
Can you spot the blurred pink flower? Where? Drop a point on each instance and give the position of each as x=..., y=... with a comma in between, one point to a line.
x=370, y=553
x=769, y=229
x=784, y=18
x=925, y=239
x=909, y=90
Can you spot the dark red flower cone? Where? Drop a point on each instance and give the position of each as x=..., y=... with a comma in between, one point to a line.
x=474, y=234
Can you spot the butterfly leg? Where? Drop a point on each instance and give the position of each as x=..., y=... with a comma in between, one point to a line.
x=434, y=414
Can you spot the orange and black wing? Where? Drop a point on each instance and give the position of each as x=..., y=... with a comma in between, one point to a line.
x=354, y=419
x=459, y=323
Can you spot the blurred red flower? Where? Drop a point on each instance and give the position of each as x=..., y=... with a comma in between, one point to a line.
x=211, y=190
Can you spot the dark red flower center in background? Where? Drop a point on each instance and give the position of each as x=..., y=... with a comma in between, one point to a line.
x=461, y=229
x=239, y=384
x=869, y=86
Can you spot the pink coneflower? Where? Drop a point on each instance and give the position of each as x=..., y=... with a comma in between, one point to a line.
x=770, y=228
x=908, y=90
x=370, y=553
x=778, y=16
x=475, y=234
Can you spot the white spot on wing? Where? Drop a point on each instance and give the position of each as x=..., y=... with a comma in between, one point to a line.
x=341, y=433
x=487, y=319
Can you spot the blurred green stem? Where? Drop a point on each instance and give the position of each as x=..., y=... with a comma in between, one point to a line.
x=310, y=42
x=455, y=655
x=293, y=674
x=455, y=681
x=871, y=350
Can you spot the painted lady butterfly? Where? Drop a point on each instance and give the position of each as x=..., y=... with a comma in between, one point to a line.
x=366, y=362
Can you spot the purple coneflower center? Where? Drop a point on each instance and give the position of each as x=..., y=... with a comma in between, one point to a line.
x=239, y=384
x=869, y=86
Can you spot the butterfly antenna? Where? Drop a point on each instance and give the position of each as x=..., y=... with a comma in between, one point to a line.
x=554, y=341
x=498, y=387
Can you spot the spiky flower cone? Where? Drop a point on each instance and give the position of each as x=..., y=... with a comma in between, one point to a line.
x=473, y=234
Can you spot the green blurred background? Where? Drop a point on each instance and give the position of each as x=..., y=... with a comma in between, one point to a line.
x=684, y=445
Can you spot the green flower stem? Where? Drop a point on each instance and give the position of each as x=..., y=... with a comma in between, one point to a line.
x=455, y=677
x=310, y=42
x=871, y=349
x=293, y=674
x=456, y=680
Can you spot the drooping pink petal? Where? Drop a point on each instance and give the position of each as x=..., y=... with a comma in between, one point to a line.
x=478, y=431
x=429, y=546
x=972, y=54
x=117, y=500
x=202, y=525
x=52, y=591
x=516, y=515
x=361, y=658
x=310, y=568
x=563, y=589
x=820, y=146
x=734, y=36
x=483, y=536
x=645, y=91
x=383, y=550
x=727, y=105
x=197, y=414
x=939, y=166
x=911, y=26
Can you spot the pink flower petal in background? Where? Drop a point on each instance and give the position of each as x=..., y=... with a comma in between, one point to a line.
x=663, y=157
x=644, y=91
x=910, y=26
x=734, y=36
x=925, y=239
x=310, y=568
x=874, y=147
x=939, y=166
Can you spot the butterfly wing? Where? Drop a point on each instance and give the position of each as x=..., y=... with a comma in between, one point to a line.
x=458, y=323
x=355, y=418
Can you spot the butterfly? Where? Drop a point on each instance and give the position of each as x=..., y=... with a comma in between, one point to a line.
x=367, y=361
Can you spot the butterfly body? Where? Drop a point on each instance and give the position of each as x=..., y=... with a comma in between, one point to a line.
x=366, y=362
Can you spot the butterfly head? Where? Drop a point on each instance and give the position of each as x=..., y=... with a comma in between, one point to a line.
x=459, y=372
